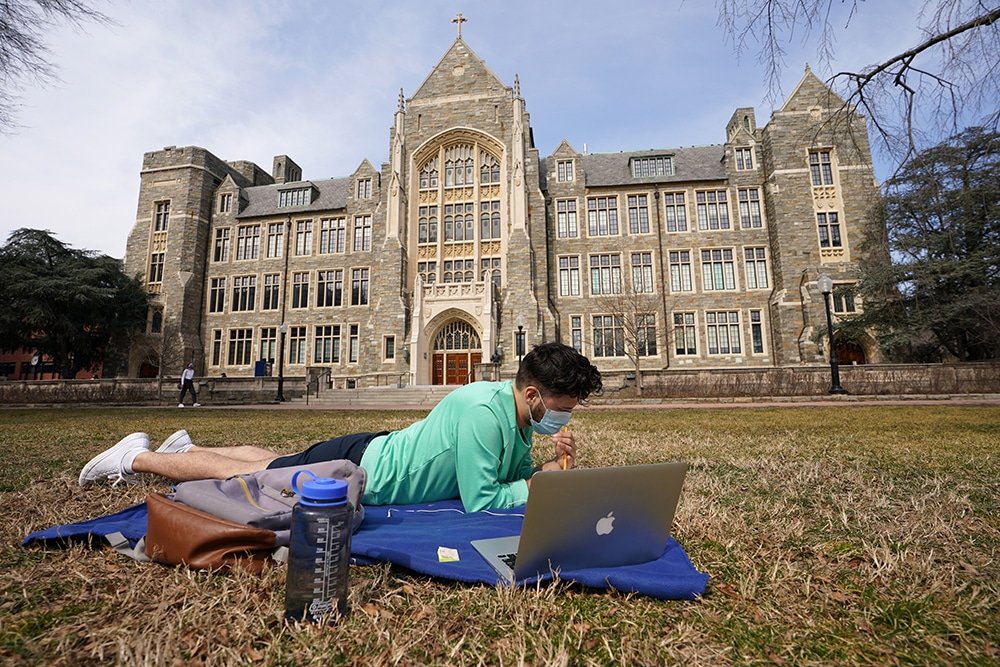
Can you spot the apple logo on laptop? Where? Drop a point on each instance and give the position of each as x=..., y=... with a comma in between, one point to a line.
x=606, y=524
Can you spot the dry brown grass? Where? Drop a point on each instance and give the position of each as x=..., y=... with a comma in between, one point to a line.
x=853, y=535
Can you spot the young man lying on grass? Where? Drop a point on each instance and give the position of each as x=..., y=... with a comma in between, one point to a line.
x=474, y=445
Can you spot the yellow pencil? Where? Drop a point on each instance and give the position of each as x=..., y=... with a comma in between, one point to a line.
x=564, y=429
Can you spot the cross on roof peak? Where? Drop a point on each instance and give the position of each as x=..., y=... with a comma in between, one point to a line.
x=459, y=20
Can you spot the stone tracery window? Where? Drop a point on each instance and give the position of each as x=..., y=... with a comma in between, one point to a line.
x=457, y=336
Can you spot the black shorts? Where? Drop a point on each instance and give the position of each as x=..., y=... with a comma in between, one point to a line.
x=350, y=447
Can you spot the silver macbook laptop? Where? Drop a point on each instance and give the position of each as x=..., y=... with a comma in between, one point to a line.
x=590, y=517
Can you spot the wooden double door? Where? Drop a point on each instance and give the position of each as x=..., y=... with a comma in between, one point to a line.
x=455, y=367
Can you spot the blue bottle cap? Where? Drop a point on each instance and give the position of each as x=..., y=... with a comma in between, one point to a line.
x=320, y=490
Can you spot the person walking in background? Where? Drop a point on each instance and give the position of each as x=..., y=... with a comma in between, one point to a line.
x=187, y=384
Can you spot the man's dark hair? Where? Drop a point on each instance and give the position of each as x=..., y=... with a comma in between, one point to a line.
x=559, y=370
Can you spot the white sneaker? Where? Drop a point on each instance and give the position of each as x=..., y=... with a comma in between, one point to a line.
x=115, y=463
x=196, y=405
x=180, y=405
x=176, y=443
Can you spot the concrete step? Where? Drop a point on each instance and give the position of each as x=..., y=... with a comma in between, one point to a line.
x=418, y=397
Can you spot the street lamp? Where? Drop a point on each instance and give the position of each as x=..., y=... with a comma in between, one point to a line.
x=280, y=398
x=519, y=337
x=825, y=284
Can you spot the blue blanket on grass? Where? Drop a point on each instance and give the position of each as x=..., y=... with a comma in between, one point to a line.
x=410, y=536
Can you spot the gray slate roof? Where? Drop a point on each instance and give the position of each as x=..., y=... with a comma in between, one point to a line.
x=263, y=200
x=696, y=163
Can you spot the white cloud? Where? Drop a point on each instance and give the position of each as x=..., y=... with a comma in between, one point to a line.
x=319, y=81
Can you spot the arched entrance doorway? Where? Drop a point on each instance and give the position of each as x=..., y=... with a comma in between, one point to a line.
x=457, y=349
x=850, y=353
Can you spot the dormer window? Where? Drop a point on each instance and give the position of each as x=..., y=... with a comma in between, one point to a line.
x=564, y=170
x=296, y=197
x=648, y=167
x=364, y=188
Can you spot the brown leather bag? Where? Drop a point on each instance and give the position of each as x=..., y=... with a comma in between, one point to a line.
x=180, y=535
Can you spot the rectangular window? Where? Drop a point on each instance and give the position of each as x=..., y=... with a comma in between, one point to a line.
x=389, y=348
x=680, y=271
x=756, y=332
x=297, y=345
x=221, y=253
x=276, y=239
x=427, y=271
x=240, y=344
x=268, y=343
x=459, y=221
x=354, y=344
x=156, y=267
x=645, y=334
x=605, y=274
x=602, y=216
x=843, y=300
x=638, y=215
x=217, y=295
x=226, y=202
x=820, y=168
x=490, y=269
x=248, y=242
x=569, y=276
x=332, y=232
x=489, y=220
x=427, y=225
x=647, y=167
x=713, y=210
x=717, y=269
x=327, y=344
x=216, y=347
x=161, y=217
x=576, y=332
x=609, y=336
x=272, y=285
x=642, y=272
x=564, y=170
x=359, y=287
x=676, y=212
x=362, y=233
x=364, y=188
x=300, y=290
x=756, y=267
x=566, y=219
x=750, y=209
x=722, y=331
x=299, y=197
x=829, y=230
x=685, y=340
x=744, y=159
x=303, y=237
x=244, y=293
x=330, y=288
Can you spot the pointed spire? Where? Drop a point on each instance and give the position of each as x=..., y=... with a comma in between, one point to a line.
x=517, y=86
x=401, y=101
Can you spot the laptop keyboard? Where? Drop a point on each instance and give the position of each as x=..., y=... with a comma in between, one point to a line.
x=508, y=559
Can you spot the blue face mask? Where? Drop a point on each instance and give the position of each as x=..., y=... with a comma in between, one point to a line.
x=551, y=422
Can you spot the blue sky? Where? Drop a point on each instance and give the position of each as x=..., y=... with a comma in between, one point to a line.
x=319, y=81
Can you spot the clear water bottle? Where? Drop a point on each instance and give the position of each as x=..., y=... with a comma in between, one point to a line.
x=318, y=551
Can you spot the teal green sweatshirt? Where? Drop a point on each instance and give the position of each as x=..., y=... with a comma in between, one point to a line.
x=468, y=447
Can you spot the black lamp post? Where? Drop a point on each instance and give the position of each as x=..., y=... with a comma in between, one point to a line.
x=825, y=284
x=519, y=338
x=280, y=398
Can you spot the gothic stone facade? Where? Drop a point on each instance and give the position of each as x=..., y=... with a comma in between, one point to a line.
x=468, y=247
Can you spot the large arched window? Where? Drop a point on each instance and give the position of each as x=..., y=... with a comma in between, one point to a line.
x=459, y=216
x=457, y=336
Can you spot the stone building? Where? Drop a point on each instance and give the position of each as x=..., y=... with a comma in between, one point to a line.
x=468, y=247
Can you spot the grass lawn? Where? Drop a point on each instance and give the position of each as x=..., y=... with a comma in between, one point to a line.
x=843, y=535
